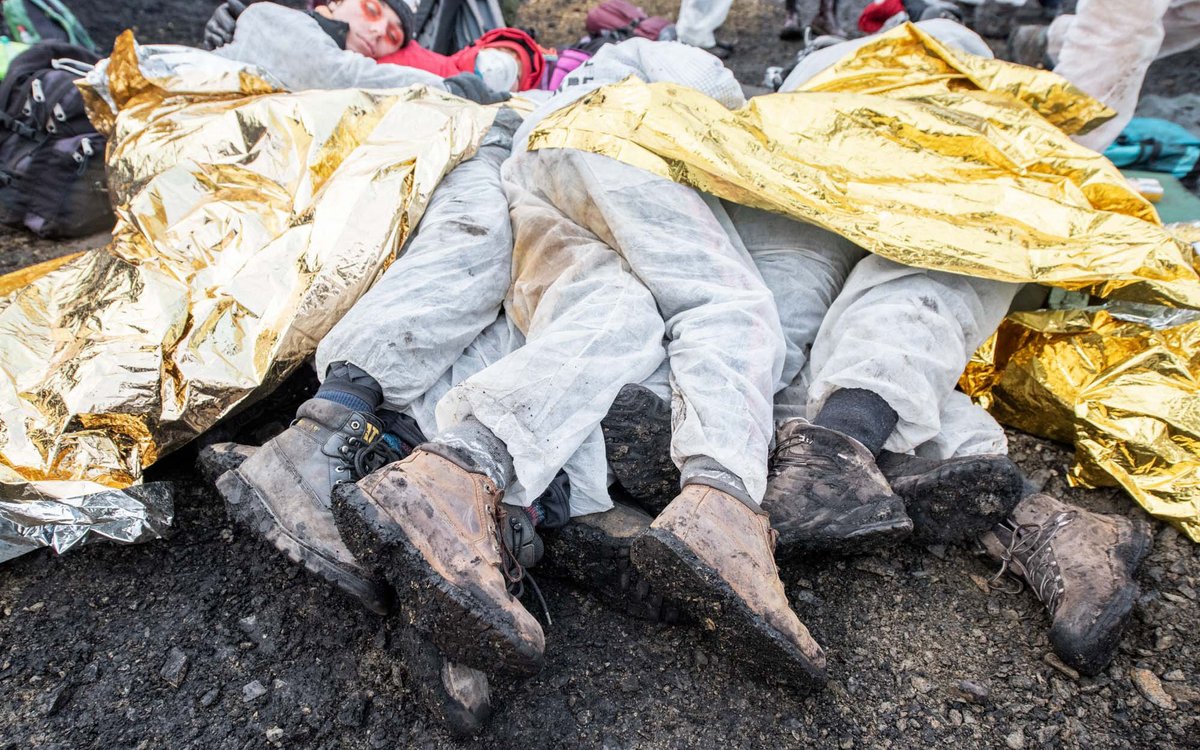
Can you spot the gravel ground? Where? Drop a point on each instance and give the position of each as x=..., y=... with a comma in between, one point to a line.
x=209, y=640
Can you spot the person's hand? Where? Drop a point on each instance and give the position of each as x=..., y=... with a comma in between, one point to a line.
x=471, y=86
x=219, y=30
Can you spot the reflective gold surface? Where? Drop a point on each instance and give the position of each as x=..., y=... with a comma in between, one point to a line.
x=951, y=163
x=248, y=221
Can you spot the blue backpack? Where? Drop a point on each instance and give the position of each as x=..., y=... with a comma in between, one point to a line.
x=1157, y=146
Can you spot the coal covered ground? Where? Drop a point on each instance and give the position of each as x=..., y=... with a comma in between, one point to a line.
x=921, y=653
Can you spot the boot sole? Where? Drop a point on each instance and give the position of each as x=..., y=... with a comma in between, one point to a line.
x=1106, y=631
x=863, y=540
x=245, y=505
x=601, y=565
x=967, y=499
x=637, y=440
x=671, y=567
x=464, y=626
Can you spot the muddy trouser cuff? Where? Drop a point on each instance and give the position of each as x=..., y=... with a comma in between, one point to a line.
x=480, y=447
x=705, y=471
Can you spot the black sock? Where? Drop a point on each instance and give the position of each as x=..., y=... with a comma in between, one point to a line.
x=351, y=386
x=861, y=414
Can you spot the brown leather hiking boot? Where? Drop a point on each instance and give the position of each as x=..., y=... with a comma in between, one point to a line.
x=592, y=552
x=432, y=528
x=826, y=495
x=715, y=554
x=1081, y=565
x=282, y=492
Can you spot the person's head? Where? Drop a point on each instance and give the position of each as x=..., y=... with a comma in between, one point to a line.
x=377, y=27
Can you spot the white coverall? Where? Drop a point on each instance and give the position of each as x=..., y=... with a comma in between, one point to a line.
x=607, y=260
x=902, y=332
x=1106, y=47
x=699, y=20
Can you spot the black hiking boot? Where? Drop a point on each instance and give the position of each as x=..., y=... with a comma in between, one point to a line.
x=637, y=440
x=282, y=492
x=592, y=552
x=1081, y=566
x=826, y=495
x=953, y=500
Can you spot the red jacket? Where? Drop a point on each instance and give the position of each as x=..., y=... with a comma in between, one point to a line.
x=533, y=60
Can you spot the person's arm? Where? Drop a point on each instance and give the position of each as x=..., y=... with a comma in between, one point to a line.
x=295, y=50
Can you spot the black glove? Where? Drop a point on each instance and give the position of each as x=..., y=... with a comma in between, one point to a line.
x=471, y=86
x=219, y=30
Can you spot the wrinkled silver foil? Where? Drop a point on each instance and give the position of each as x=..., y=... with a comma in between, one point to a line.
x=136, y=514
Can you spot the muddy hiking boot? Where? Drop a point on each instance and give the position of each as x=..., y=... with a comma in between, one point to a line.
x=593, y=553
x=1081, y=566
x=954, y=500
x=282, y=492
x=432, y=529
x=826, y=495
x=637, y=442
x=713, y=553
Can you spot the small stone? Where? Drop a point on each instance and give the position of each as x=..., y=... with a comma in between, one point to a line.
x=54, y=700
x=252, y=691
x=274, y=734
x=209, y=697
x=1015, y=740
x=91, y=673
x=35, y=607
x=1149, y=686
x=981, y=582
x=971, y=692
x=1052, y=659
x=937, y=550
x=956, y=717
x=921, y=685
x=174, y=669
x=1175, y=675
x=1183, y=693
x=629, y=683
x=353, y=711
x=584, y=718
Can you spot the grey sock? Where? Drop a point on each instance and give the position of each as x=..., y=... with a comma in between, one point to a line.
x=480, y=447
x=704, y=470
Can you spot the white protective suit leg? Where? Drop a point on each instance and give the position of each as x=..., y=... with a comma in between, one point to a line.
x=905, y=334
x=725, y=345
x=587, y=468
x=590, y=327
x=805, y=267
x=446, y=287
x=1105, y=50
x=699, y=20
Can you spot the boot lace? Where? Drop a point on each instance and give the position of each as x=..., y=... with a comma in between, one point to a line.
x=783, y=457
x=515, y=574
x=359, y=458
x=1029, y=546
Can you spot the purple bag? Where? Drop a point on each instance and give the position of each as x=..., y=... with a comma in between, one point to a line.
x=568, y=60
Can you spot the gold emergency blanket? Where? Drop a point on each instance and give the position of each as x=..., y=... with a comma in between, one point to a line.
x=1122, y=383
x=248, y=222
x=929, y=157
